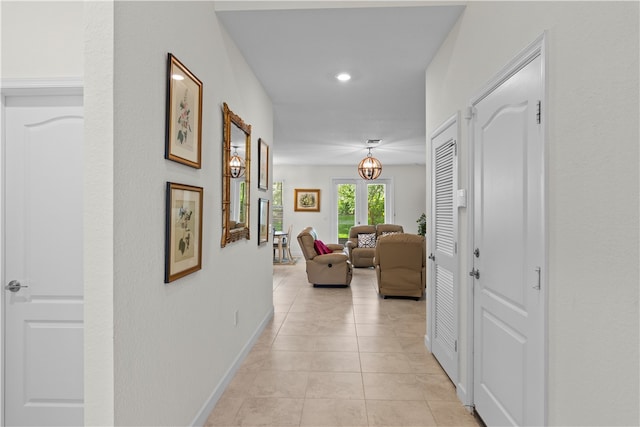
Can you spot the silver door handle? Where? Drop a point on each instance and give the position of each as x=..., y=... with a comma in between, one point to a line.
x=15, y=286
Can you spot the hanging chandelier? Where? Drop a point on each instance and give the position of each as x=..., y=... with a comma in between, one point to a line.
x=236, y=164
x=369, y=168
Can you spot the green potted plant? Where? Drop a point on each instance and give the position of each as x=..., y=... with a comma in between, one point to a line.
x=422, y=225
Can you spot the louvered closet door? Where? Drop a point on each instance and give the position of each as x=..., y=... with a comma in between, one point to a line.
x=443, y=305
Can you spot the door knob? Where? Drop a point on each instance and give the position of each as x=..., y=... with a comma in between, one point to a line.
x=14, y=286
x=475, y=273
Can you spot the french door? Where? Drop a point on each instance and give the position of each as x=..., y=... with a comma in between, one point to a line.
x=359, y=202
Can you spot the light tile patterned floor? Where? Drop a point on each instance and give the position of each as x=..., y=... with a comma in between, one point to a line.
x=340, y=357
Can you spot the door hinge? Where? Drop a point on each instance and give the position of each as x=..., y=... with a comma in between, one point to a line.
x=469, y=112
x=455, y=346
x=539, y=113
x=455, y=247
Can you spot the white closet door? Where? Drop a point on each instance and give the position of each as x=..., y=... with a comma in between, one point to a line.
x=43, y=310
x=443, y=236
x=509, y=198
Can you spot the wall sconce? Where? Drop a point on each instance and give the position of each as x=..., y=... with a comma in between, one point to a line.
x=369, y=168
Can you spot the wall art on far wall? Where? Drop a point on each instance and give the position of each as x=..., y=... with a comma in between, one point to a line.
x=184, y=115
x=263, y=165
x=306, y=200
x=263, y=221
x=183, y=239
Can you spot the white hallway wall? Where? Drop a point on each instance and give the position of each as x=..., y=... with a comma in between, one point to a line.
x=154, y=353
x=592, y=113
x=175, y=342
x=409, y=195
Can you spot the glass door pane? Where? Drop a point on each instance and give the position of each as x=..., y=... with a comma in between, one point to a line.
x=346, y=210
x=376, y=204
x=277, y=210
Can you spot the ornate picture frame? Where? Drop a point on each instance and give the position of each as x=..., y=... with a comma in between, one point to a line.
x=183, y=139
x=263, y=221
x=183, y=238
x=263, y=165
x=306, y=200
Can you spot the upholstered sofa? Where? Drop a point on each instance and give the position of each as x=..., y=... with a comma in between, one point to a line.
x=400, y=265
x=331, y=268
x=362, y=242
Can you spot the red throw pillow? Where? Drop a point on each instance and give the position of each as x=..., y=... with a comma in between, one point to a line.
x=321, y=248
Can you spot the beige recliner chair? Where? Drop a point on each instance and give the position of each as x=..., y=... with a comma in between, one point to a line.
x=363, y=256
x=400, y=265
x=332, y=269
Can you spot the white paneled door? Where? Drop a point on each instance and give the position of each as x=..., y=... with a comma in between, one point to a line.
x=43, y=280
x=509, y=350
x=443, y=237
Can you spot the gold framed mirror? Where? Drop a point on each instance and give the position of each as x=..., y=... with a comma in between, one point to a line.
x=236, y=168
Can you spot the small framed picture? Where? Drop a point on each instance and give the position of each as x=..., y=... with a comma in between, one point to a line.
x=263, y=221
x=184, y=115
x=263, y=165
x=306, y=200
x=183, y=240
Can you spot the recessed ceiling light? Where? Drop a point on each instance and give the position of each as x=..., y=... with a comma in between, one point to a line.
x=343, y=77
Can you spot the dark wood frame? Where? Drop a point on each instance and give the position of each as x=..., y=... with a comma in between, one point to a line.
x=263, y=165
x=173, y=150
x=175, y=269
x=263, y=221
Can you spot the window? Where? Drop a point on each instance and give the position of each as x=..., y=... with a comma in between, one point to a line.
x=276, y=207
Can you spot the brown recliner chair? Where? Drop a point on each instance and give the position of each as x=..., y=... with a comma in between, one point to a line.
x=400, y=265
x=332, y=269
x=363, y=256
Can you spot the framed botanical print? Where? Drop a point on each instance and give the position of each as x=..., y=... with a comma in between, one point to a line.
x=263, y=221
x=263, y=165
x=306, y=200
x=184, y=115
x=183, y=238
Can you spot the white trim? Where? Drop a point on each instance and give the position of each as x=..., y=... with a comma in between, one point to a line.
x=427, y=340
x=524, y=57
x=2, y=256
x=38, y=87
x=444, y=126
x=468, y=401
x=538, y=48
x=204, y=412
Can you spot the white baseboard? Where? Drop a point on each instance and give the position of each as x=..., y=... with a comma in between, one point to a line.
x=203, y=414
x=427, y=342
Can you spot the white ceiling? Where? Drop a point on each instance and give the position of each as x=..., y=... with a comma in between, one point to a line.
x=318, y=120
